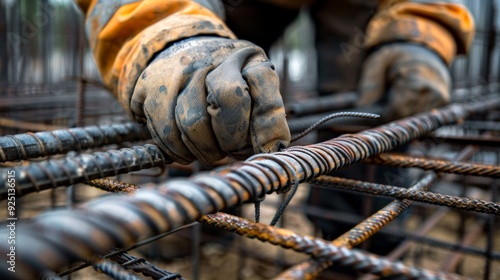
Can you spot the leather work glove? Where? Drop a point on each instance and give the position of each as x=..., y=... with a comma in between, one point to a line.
x=206, y=97
x=406, y=79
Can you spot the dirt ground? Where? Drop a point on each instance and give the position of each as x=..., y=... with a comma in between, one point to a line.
x=228, y=256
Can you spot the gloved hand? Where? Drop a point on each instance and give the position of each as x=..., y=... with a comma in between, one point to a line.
x=206, y=97
x=406, y=79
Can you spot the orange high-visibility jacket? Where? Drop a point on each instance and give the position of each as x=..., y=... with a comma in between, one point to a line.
x=125, y=34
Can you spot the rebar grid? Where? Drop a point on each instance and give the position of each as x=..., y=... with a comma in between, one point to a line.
x=122, y=221
x=436, y=165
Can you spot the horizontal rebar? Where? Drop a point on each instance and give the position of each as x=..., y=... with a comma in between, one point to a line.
x=82, y=168
x=436, y=165
x=118, y=221
x=32, y=145
x=321, y=249
x=462, y=203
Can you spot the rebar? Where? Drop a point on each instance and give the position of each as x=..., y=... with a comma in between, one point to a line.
x=462, y=203
x=120, y=221
x=113, y=270
x=40, y=144
x=110, y=185
x=436, y=165
x=320, y=249
x=143, y=266
x=83, y=168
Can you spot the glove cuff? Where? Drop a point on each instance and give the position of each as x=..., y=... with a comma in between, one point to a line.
x=448, y=29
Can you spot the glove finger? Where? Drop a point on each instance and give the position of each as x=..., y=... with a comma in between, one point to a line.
x=373, y=81
x=159, y=110
x=269, y=130
x=191, y=114
x=230, y=105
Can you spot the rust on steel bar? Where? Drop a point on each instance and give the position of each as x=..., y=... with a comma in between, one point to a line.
x=436, y=165
x=111, y=185
x=310, y=269
x=320, y=249
x=430, y=223
x=32, y=145
x=462, y=203
x=121, y=221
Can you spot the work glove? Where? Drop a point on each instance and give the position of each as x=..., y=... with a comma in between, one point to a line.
x=405, y=79
x=207, y=97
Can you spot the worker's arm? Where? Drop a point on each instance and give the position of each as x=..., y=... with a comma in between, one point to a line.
x=412, y=45
x=175, y=65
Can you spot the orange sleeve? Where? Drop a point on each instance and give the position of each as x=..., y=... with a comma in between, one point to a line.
x=125, y=34
x=446, y=28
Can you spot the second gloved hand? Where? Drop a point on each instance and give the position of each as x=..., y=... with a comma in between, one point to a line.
x=404, y=78
x=207, y=97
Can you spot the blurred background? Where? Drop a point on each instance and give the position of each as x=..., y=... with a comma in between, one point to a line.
x=48, y=80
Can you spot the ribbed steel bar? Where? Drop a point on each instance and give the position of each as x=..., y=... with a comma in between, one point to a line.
x=33, y=145
x=462, y=203
x=110, y=185
x=320, y=249
x=437, y=165
x=121, y=221
x=143, y=266
x=113, y=270
x=82, y=168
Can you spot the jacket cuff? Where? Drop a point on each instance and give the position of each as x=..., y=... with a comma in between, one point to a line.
x=135, y=56
x=448, y=29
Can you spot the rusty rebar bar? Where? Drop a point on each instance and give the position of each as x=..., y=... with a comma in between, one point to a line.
x=436, y=165
x=121, y=221
x=320, y=249
x=111, y=185
x=462, y=203
x=32, y=145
